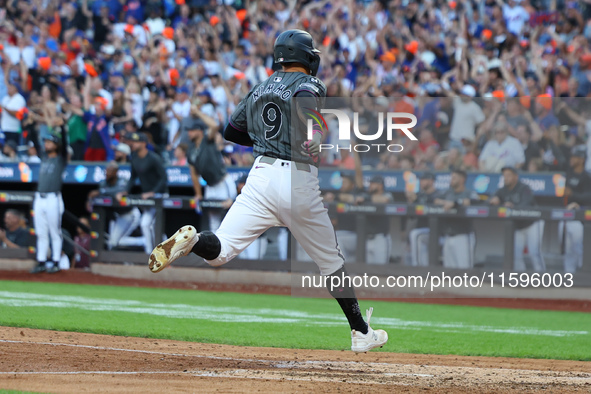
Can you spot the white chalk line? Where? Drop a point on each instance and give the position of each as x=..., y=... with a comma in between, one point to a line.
x=253, y=315
x=280, y=364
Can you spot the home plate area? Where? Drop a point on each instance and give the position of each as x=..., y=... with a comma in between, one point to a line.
x=65, y=362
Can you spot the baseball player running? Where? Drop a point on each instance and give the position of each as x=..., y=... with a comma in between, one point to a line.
x=577, y=193
x=48, y=206
x=515, y=194
x=419, y=236
x=458, y=247
x=282, y=187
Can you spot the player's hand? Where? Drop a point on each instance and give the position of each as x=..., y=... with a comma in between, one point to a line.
x=147, y=195
x=119, y=196
x=509, y=204
x=495, y=201
x=2, y=235
x=312, y=147
x=573, y=205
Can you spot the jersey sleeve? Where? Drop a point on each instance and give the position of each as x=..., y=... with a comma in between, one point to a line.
x=312, y=85
x=238, y=120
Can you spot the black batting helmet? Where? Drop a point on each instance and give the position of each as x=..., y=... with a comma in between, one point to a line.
x=297, y=46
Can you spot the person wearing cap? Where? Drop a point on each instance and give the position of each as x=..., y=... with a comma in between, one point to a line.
x=148, y=168
x=48, y=204
x=205, y=160
x=458, y=247
x=577, y=194
x=418, y=237
x=125, y=219
x=467, y=116
x=13, y=102
x=528, y=233
x=501, y=151
x=122, y=153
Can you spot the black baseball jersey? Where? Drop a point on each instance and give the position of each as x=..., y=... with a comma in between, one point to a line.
x=266, y=115
x=151, y=173
x=580, y=185
x=453, y=226
x=207, y=161
x=521, y=196
x=424, y=198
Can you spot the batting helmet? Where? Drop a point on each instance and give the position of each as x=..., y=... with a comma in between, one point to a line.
x=297, y=46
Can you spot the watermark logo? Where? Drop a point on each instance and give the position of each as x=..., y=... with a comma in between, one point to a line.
x=390, y=119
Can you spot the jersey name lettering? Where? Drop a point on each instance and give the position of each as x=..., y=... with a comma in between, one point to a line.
x=277, y=91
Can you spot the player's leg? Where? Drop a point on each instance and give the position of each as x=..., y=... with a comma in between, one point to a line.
x=518, y=245
x=535, y=234
x=42, y=233
x=378, y=249
x=419, y=246
x=249, y=217
x=576, y=229
x=449, y=260
x=54, y=219
x=307, y=218
x=147, y=226
x=571, y=247
x=123, y=226
x=347, y=243
x=282, y=243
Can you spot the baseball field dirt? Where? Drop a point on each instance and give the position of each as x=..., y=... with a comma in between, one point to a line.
x=69, y=362
x=65, y=362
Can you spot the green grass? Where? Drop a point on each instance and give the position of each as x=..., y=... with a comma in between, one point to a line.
x=17, y=392
x=283, y=321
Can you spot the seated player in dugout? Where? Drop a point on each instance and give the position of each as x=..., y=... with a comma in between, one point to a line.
x=14, y=235
x=282, y=187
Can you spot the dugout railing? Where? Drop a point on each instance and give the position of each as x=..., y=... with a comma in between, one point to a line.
x=362, y=213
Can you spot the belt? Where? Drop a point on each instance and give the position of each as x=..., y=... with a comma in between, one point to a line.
x=45, y=195
x=298, y=165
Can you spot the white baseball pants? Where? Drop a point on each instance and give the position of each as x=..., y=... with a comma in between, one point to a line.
x=458, y=251
x=48, y=213
x=573, y=248
x=419, y=246
x=531, y=237
x=278, y=194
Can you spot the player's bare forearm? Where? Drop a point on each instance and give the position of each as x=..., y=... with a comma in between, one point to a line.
x=196, y=184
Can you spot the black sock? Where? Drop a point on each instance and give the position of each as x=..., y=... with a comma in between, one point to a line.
x=345, y=296
x=208, y=246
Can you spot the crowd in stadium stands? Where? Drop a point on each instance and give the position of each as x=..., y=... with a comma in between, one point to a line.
x=492, y=82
